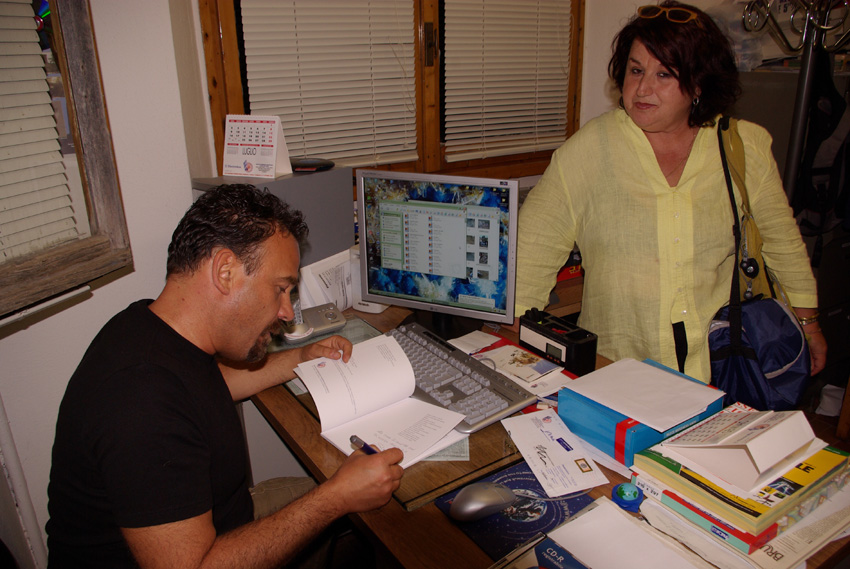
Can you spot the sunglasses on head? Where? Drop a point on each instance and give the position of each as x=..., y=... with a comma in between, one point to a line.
x=674, y=14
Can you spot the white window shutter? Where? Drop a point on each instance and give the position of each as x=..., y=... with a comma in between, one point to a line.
x=35, y=201
x=338, y=73
x=506, y=76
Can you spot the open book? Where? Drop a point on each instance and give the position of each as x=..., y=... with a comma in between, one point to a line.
x=747, y=449
x=370, y=397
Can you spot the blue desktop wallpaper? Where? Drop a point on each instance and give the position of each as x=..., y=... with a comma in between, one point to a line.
x=427, y=287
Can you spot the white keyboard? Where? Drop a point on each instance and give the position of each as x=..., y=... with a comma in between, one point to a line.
x=448, y=377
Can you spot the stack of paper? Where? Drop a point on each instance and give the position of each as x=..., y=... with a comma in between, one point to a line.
x=652, y=396
x=603, y=535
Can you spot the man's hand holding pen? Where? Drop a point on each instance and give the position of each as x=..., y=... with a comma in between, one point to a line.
x=367, y=479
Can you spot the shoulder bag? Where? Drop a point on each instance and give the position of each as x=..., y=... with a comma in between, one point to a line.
x=759, y=353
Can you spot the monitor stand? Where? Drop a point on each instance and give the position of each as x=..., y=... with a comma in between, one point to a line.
x=445, y=326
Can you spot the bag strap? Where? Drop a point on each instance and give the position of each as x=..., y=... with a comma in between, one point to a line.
x=735, y=294
x=734, y=149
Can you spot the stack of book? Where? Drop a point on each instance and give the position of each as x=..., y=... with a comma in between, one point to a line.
x=743, y=476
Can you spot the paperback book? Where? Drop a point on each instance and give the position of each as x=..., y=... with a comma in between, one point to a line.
x=722, y=530
x=786, y=551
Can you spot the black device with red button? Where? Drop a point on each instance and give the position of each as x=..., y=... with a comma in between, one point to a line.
x=558, y=340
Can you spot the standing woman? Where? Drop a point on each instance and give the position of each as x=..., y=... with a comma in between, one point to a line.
x=641, y=191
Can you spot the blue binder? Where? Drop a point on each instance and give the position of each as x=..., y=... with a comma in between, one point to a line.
x=612, y=432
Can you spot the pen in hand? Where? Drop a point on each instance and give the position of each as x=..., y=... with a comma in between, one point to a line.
x=361, y=445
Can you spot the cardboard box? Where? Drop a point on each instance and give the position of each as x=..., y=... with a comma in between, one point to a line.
x=612, y=432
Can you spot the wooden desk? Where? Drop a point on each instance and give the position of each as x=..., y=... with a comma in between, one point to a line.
x=410, y=531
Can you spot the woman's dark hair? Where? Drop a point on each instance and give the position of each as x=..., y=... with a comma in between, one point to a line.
x=697, y=53
x=238, y=217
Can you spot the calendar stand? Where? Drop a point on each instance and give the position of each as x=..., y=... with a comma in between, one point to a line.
x=254, y=146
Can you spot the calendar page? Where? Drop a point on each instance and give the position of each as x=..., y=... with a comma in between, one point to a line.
x=254, y=146
x=719, y=428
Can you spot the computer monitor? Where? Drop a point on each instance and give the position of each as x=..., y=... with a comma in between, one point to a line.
x=444, y=246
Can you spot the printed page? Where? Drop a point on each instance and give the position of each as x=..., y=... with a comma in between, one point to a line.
x=377, y=374
x=419, y=429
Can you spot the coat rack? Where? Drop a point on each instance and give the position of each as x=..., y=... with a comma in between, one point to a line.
x=811, y=21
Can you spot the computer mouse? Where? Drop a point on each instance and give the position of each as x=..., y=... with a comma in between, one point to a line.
x=479, y=500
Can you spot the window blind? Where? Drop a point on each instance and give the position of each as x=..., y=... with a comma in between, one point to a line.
x=35, y=201
x=506, y=76
x=339, y=74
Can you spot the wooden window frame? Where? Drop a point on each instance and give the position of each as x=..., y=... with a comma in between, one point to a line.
x=224, y=80
x=31, y=279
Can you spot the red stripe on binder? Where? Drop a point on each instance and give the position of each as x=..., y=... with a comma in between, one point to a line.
x=620, y=439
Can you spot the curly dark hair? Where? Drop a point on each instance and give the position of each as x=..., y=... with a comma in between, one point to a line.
x=697, y=53
x=239, y=217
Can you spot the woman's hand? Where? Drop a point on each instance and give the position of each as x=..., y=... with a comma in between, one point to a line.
x=817, y=347
x=808, y=318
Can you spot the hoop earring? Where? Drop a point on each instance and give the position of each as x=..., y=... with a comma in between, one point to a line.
x=696, y=101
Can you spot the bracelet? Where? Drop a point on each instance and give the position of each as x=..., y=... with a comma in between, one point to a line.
x=808, y=319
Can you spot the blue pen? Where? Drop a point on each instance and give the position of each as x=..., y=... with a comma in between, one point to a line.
x=361, y=444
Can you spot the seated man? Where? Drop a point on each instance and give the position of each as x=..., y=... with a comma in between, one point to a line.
x=150, y=466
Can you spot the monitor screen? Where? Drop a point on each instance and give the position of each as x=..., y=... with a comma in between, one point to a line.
x=441, y=245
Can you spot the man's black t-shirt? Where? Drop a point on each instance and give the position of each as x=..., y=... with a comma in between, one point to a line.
x=147, y=434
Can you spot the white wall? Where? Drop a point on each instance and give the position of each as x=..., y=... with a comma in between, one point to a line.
x=602, y=20
x=140, y=82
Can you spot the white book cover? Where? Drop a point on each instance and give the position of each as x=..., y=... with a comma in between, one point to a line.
x=745, y=449
x=370, y=397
